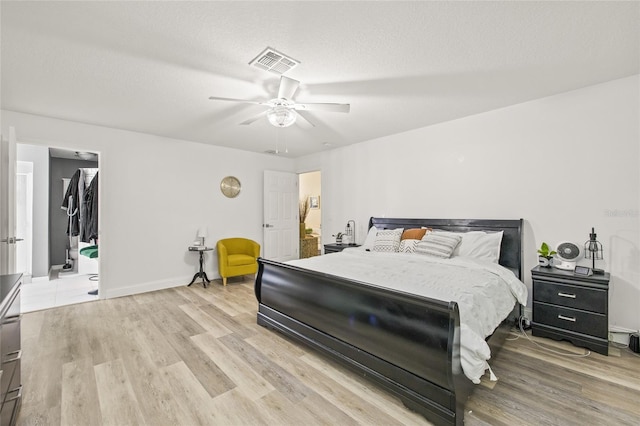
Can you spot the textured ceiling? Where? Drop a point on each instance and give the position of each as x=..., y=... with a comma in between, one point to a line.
x=151, y=66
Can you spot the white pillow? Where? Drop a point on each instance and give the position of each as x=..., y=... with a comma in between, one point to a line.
x=408, y=246
x=480, y=245
x=388, y=240
x=371, y=238
x=438, y=244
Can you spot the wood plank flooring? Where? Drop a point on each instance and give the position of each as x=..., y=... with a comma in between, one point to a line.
x=195, y=356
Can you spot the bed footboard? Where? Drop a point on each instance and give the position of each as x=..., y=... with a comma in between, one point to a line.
x=408, y=344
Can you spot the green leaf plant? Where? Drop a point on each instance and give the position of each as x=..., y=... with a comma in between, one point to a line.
x=545, y=252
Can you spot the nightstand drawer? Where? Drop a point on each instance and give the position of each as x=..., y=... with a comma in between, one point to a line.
x=587, y=299
x=571, y=319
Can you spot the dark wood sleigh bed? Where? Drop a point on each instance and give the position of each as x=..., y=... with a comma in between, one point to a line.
x=406, y=343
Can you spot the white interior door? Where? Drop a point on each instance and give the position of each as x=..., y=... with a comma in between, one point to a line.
x=280, y=225
x=8, y=237
x=24, y=218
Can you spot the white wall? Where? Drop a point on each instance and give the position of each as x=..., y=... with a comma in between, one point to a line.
x=154, y=194
x=39, y=156
x=563, y=163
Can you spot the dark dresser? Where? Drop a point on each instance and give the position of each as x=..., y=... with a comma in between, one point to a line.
x=571, y=307
x=10, y=348
x=335, y=248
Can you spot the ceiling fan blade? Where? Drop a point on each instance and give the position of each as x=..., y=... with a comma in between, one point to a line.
x=304, y=120
x=254, y=118
x=216, y=98
x=322, y=107
x=288, y=87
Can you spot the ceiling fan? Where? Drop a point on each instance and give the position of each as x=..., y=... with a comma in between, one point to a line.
x=283, y=110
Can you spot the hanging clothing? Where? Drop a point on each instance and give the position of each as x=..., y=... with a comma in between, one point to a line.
x=82, y=209
x=71, y=204
x=86, y=177
x=90, y=224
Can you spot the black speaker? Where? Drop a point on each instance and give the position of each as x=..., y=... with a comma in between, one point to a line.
x=634, y=342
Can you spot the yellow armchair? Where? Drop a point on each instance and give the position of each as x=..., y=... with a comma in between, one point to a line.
x=237, y=256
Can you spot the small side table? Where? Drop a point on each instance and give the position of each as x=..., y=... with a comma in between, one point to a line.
x=200, y=273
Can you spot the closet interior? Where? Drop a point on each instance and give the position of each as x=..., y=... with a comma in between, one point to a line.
x=64, y=203
x=80, y=203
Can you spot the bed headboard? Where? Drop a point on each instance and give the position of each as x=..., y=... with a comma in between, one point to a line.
x=510, y=250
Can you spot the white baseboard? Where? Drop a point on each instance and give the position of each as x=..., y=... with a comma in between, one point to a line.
x=618, y=329
x=146, y=287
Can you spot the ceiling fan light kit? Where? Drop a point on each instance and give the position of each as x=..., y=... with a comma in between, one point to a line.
x=282, y=109
x=281, y=116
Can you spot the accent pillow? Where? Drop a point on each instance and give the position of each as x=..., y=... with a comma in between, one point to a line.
x=438, y=244
x=371, y=238
x=388, y=240
x=408, y=246
x=414, y=233
x=480, y=245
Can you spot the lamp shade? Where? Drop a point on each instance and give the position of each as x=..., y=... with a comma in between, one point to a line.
x=202, y=232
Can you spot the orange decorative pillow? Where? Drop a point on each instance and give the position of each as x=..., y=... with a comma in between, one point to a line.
x=414, y=233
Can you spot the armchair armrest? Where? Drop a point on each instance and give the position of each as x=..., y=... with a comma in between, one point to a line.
x=222, y=251
x=256, y=249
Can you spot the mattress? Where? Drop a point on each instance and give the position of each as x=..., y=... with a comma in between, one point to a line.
x=484, y=291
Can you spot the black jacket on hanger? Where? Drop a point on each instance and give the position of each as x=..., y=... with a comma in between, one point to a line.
x=91, y=218
x=73, y=225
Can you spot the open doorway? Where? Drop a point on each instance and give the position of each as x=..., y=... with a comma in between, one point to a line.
x=58, y=274
x=310, y=185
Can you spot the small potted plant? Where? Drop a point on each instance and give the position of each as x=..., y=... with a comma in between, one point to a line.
x=545, y=255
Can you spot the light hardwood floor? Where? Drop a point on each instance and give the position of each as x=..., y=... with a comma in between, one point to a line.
x=195, y=356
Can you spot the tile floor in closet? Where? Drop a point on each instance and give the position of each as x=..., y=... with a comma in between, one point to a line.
x=45, y=293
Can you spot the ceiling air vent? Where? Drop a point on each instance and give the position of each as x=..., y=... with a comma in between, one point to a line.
x=274, y=61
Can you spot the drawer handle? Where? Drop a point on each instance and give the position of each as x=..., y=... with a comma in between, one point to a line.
x=562, y=317
x=18, y=355
x=18, y=396
x=570, y=296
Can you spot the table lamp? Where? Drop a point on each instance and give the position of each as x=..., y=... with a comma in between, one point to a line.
x=593, y=250
x=202, y=234
x=351, y=232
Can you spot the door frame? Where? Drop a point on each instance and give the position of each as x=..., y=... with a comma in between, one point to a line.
x=8, y=201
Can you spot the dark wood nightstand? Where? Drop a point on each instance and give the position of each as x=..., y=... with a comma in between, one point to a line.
x=571, y=307
x=335, y=248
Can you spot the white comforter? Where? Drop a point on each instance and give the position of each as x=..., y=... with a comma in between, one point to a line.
x=485, y=291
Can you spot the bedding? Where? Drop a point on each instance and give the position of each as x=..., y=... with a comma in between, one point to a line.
x=371, y=238
x=438, y=244
x=387, y=240
x=480, y=245
x=408, y=246
x=414, y=233
x=485, y=291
